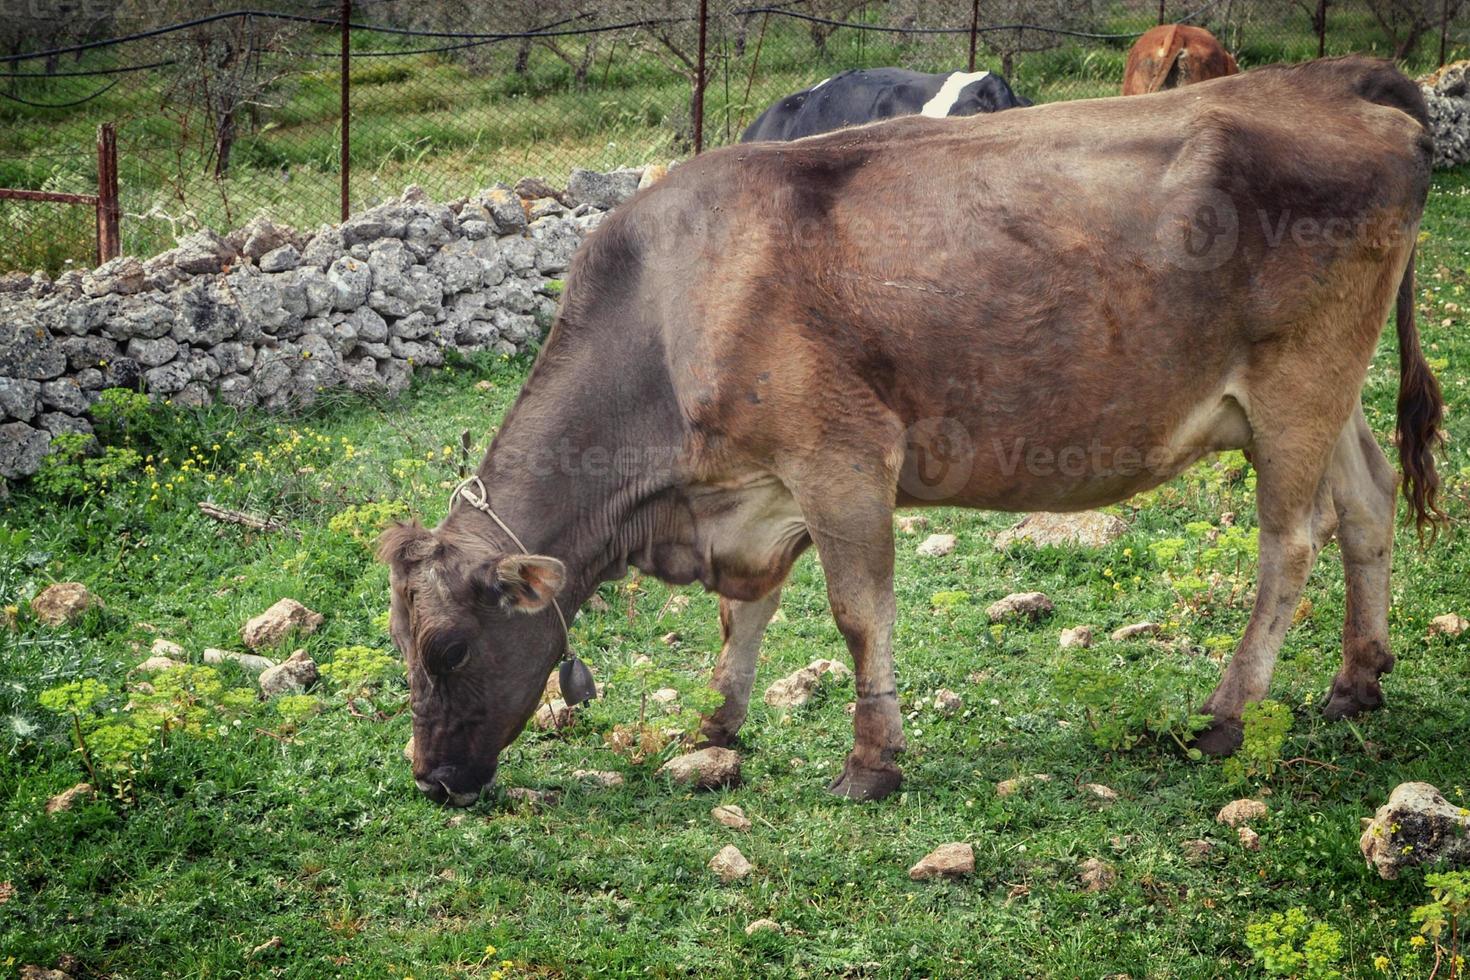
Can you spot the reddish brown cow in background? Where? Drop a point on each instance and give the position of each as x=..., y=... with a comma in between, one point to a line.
x=1172, y=55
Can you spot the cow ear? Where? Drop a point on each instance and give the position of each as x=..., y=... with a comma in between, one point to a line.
x=528, y=583
x=405, y=544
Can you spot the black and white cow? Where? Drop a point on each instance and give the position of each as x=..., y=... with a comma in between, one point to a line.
x=864, y=95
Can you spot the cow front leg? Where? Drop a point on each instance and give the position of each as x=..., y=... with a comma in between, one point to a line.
x=1363, y=485
x=856, y=550
x=743, y=625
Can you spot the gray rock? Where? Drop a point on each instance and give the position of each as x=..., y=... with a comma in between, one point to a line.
x=557, y=241
x=1417, y=826
x=1020, y=607
x=27, y=349
x=19, y=399
x=272, y=369
x=207, y=313
x=195, y=394
x=361, y=373
x=518, y=328
x=292, y=677
x=123, y=275
x=88, y=352
x=325, y=247
x=281, y=259
x=259, y=236
x=545, y=207
x=140, y=316
x=513, y=294
x=605, y=190
x=519, y=253
x=352, y=280
x=60, y=423
x=397, y=375
x=236, y=391
x=122, y=372
x=233, y=357
x=368, y=325
x=384, y=221
x=415, y=326
x=476, y=335
x=457, y=267
x=152, y=353
x=420, y=354
x=203, y=252
x=502, y=204
x=65, y=395
x=89, y=379
x=76, y=317
x=202, y=366
x=167, y=379
x=309, y=293
x=21, y=449
x=1088, y=529
x=260, y=298
x=475, y=229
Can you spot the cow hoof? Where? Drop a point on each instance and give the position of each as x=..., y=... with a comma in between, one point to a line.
x=858, y=783
x=1222, y=738
x=1347, y=700
x=716, y=738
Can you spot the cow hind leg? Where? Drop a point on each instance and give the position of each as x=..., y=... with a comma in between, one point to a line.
x=1363, y=485
x=743, y=625
x=1291, y=492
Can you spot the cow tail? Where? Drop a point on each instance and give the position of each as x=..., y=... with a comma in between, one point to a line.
x=1420, y=412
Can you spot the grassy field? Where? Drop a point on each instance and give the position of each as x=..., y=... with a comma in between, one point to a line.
x=287, y=839
x=453, y=125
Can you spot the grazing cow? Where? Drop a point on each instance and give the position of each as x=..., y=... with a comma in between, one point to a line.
x=780, y=343
x=1172, y=55
x=865, y=95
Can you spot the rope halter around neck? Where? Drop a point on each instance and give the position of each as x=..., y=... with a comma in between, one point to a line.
x=574, y=678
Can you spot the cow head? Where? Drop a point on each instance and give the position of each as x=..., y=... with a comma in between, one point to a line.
x=475, y=628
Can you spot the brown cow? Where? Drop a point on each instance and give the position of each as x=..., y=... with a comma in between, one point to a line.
x=1038, y=309
x=1172, y=55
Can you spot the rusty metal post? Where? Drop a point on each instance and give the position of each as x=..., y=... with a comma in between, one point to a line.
x=974, y=31
x=1161, y=11
x=1321, y=26
x=698, y=104
x=1444, y=29
x=109, y=239
x=346, y=108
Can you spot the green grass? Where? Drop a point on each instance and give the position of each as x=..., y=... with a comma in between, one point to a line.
x=219, y=842
x=453, y=125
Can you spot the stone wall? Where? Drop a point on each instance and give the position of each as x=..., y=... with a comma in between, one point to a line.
x=1447, y=91
x=269, y=317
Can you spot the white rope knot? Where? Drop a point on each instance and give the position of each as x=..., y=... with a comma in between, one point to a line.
x=472, y=490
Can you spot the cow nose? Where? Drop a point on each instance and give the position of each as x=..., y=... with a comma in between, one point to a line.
x=440, y=784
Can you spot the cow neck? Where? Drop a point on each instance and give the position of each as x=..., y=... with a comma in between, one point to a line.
x=549, y=473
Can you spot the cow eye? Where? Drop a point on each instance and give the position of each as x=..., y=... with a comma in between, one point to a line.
x=455, y=657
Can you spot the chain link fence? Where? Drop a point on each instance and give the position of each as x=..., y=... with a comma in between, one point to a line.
x=237, y=112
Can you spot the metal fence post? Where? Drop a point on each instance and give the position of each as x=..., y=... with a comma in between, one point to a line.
x=109, y=241
x=345, y=111
x=1444, y=29
x=974, y=31
x=698, y=105
x=1321, y=26
x=1161, y=11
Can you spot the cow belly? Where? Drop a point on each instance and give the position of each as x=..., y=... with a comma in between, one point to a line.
x=1035, y=468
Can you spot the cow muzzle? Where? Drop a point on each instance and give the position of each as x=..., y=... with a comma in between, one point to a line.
x=440, y=784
